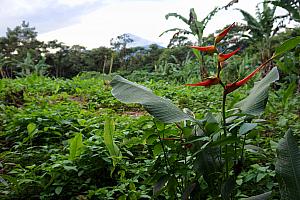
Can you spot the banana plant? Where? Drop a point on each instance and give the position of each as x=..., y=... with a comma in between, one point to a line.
x=196, y=28
x=260, y=30
x=292, y=6
x=208, y=149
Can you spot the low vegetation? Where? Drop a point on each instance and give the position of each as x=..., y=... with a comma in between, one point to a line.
x=129, y=123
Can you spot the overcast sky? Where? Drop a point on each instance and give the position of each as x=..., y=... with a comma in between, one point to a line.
x=92, y=23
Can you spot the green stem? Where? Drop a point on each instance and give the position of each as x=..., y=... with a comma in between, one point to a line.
x=242, y=156
x=168, y=167
x=165, y=154
x=225, y=134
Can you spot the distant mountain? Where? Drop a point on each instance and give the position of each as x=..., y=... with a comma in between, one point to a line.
x=140, y=42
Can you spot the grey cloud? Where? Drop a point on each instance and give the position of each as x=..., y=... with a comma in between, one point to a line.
x=45, y=15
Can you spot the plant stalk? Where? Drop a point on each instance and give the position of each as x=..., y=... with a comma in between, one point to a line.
x=224, y=129
x=165, y=154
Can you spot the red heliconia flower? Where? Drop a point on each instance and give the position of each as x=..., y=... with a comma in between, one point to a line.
x=220, y=36
x=208, y=49
x=222, y=57
x=233, y=86
x=207, y=82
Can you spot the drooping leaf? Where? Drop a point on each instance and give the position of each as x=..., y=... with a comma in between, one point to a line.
x=246, y=127
x=178, y=16
x=75, y=146
x=161, y=108
x=286, y=46
x=251, y=21
x=255, y=102
x=179, y=30
x=263, y=196
x=209, y=16
x=287, y=167
x=291, y=8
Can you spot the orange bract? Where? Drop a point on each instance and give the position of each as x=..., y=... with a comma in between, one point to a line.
x=209, y=49
x=230, y=87
x=220, y=36
x=207, y=82
x=233, y=86
x=222, y=57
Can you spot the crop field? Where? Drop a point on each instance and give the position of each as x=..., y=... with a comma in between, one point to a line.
x=54, y=144
x=205, y=117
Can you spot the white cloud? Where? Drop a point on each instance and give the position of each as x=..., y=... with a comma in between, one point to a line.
x=92, y=23
x=13, y=8
x=45, y=15
x=144, y=18
x=75, y=2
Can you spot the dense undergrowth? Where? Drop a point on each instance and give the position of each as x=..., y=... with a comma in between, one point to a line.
x=44, y=121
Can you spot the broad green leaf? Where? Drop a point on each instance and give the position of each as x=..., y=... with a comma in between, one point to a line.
x=254, y=149
x=255, y=102
x=197, y=53
x=224, y=141
x=70, y=168
x=32, y=129
x=286, y=46
x=227, y=188
x=161, y=108
x=160, y=184
x=109, y=128
x=246, y=127
x=58, y=190
x=157, y=149
x=188, y=190
x=171, y=187
x=288, y=92
x=287, y=167
x=75, y=146
x=3, y=181
x=263, y=196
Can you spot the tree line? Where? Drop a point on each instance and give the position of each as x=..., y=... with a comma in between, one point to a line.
x=21, y=53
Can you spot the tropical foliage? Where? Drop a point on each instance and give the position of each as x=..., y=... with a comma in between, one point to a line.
x=137, y=123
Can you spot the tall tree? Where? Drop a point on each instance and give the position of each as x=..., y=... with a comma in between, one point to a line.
x=120, y=45
x=98, y=59
x=56, y=57
x=18, y=42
